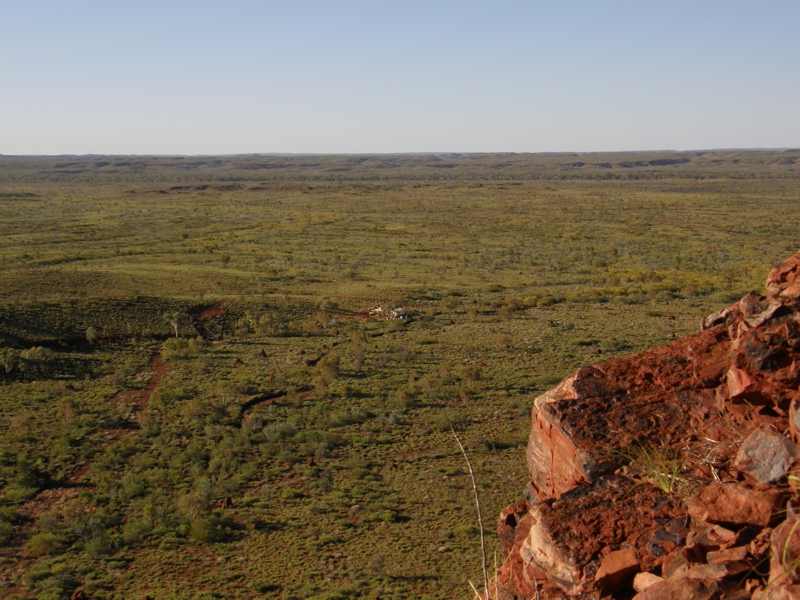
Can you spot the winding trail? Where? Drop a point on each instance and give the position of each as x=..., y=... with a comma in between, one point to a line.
x=204, y=314
x=267, y=399
x=14, y=560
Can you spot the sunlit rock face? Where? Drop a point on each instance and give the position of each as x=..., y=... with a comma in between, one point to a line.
x=664, y=473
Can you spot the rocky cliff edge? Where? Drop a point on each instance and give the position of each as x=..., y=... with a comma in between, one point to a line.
x=669, y=474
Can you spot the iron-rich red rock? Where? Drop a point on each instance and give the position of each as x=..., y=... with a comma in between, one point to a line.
x=680, y=589
x=794, y=418
x=784, y=561
x=508, y=523
x=728, y=555
x=517, y=579
x=784, y=280
x=736, y=503
x=591, y=498
x=567, y=538
x=583, y=427
x=715, y=571
x=617, y=568
x=642, y=581
x=780, y=592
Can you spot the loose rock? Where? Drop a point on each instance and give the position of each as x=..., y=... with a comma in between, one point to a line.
x=766, y=455
x=616, y=568
x=680, y=589
x=642, y=581
x=784, y=560
x=737, y=504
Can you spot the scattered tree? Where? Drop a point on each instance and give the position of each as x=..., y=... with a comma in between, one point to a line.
x=9, y=359
x=176, y=319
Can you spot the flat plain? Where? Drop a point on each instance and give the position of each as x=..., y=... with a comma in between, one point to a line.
x=196, y=403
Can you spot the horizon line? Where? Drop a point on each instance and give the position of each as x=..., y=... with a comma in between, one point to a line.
x=421, y=153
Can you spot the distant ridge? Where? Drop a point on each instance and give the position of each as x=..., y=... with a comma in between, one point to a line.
x=444, y=166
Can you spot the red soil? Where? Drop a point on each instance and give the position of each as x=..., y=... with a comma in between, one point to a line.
x=14, y=561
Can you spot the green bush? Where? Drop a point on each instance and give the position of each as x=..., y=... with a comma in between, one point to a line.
x=44, y=544
x=277, y=431
x=443, y=421
x=290, y=493
x=35, y=575
x=332, y=595
x=5, y=532
x=286, y=456
x=100, y=545
x=181, y=348
x=615, y=346
x=133, y=531
x=9, y=514
x=470, y=373
x=262, y=587
x=212, y=528
x=56, y=587
x=133, y=485
x=465, y=530
x=546, y=301
x=547, y=380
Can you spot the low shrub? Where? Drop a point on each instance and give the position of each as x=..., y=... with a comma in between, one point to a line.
x=44, y=544
x=213, y=528
x=6, y=529
x=547, y=380
x=134, y=531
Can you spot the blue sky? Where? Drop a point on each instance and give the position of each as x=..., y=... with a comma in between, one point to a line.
x=172, y=77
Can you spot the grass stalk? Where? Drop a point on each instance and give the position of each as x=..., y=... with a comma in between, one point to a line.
x=658, y=467
x=480, y=518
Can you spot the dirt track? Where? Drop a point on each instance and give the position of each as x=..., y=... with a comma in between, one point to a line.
x=206, y=314
x=14, y=561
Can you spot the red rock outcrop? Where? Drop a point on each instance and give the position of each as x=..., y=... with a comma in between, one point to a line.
x=662, y=473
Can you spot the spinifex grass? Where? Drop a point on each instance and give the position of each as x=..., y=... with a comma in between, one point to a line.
x=659, y=467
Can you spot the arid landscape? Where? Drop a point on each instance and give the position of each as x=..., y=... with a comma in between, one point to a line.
x=239, y=376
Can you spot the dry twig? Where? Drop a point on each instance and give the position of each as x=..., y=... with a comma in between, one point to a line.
x=480, y=519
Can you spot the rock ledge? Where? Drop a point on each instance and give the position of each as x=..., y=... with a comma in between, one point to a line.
x=670, y=473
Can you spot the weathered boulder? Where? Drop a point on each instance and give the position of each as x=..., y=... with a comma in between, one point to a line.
x=794, y=419
x=728, y=555
x=517, y=578
x=567, y=541
x=583, y=427
x=742, y=368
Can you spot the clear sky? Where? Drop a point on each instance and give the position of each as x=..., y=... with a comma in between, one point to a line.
x=228, y=77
